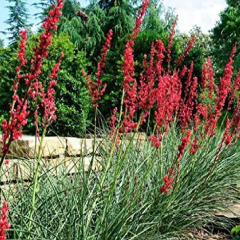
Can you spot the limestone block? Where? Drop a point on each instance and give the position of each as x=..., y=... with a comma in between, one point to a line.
x=27, y=147
x=233, y=212
x=88, y=145
x=9, y=171
x=75, y=146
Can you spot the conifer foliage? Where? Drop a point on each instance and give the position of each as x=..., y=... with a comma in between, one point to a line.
x=18, y=19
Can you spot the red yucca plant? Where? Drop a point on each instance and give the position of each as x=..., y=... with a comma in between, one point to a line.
x=34, y=90
x=12, y=129
x=171, y=97
x=103, y=203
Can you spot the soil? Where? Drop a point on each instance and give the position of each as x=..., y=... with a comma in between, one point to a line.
x=204, y=235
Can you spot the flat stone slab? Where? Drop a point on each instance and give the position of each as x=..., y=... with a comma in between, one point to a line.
x=234, y=211
x=27, y=147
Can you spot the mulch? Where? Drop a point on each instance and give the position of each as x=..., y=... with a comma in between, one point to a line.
x=204, y=235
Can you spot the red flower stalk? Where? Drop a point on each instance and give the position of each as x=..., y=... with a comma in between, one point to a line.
x=139, y=18
x=97, y=89
x=22, y=50
x=48, y=98
x=168, y=180
x=186, y=51
x=170, y=40
x=204, y=77
x=183, y=72
x=130, y=87
x=12, y=130
x=236, y=86
x=41, y=51
x=168, y=99
x=227, y=136
x=222, y=93
x=4, y=224
x=189, y=78
x=225, y=85
x=186, y=109
x=211, y=78
x=160, y=49
x=129, y=82
x=236, y=120
x=156, y=141
x=183, y=145
x=146, y=92
x=194, y=145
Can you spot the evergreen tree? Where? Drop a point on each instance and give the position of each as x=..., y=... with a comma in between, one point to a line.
x=1, y=43
x=225, y=34
x=44, y=6
x=18, y=19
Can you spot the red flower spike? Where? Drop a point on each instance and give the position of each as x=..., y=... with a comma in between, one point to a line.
x=156, y=142
x=4, y=224
x=170, y=39
x=129, y=82
x=194, y=145
x=139, y=18
x=236, y=86
x=225, y=85
x=210, y=74
x=187, y=50
x=12, y=130
x=96, y=89
x=183, y=145
x=48, y=98
x=168, y=180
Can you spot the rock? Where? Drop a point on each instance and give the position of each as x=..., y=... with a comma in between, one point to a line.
x=233, y=212
x=75, y=146
x=27, y=147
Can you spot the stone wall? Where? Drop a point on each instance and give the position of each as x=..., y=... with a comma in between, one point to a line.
x=58, y=154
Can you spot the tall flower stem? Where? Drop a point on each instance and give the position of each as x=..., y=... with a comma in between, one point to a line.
x=35, y=180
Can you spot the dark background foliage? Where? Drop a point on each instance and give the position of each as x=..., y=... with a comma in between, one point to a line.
x=80, y=35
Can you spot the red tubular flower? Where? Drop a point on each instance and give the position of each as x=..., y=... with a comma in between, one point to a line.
x=156, y=142
x=170, y=39
x=168, y=180
x=194, y=145
x=183, y=145
x=4, y=224
x=96, y=89
x=183, y=72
